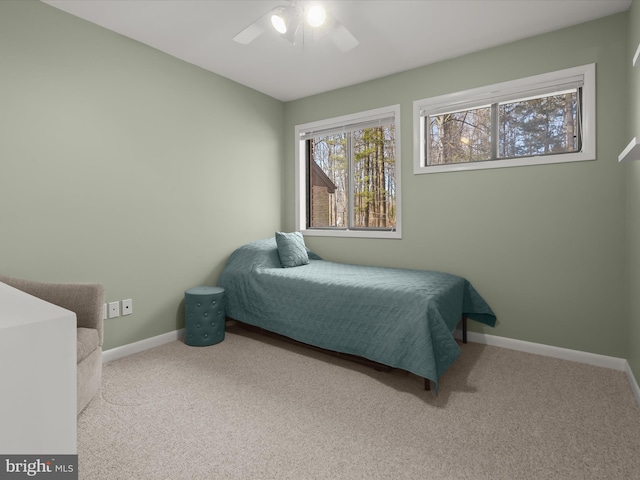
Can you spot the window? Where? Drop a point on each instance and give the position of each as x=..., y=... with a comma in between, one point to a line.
x=348, y=175
x=547, y=118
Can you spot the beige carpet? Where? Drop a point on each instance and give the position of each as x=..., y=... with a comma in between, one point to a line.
x=253, y=407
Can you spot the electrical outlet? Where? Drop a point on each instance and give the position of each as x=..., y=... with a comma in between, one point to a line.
x=127, y=307
x=114, y=309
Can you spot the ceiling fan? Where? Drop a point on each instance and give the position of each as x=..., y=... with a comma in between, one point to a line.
x=300, y=23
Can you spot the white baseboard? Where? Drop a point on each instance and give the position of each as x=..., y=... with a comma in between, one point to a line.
x=634, y=385
x=594, y=359
x=142, y=345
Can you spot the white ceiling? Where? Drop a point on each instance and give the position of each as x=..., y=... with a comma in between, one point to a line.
x=394, y=35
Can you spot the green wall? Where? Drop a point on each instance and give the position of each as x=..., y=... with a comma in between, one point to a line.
x=545, y=245
x=122, y=165
x=632, y=172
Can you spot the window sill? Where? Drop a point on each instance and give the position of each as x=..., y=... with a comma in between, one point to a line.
x=505, y=163
x=352, y=233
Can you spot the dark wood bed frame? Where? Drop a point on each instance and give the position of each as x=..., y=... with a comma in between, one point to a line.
x=354, y=358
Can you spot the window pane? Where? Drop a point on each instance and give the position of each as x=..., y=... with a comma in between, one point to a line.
x=353, y=179
x=374, y=177
x=460, y=137
x=541, y=119
x=539, y=126
x=329, y=181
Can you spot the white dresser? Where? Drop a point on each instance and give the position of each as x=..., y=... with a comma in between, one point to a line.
x=38, y=379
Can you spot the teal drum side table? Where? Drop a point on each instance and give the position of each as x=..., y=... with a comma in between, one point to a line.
x=204, y=316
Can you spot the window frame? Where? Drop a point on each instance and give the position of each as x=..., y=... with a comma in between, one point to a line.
x=505, y=91
x=301, y=173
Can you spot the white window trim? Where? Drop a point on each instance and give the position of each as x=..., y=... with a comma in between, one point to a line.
x=477, y=96
x=300, y=175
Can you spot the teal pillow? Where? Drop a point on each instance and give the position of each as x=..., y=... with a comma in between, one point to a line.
x=291, y=249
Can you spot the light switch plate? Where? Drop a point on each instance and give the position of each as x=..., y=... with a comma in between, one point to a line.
x=114, y=309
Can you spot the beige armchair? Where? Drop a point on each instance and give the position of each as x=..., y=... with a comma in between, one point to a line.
x=85, y=300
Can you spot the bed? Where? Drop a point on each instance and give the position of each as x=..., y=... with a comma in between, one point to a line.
x=401, y=318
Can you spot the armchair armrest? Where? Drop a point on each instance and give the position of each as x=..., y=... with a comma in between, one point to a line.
x=84, y=299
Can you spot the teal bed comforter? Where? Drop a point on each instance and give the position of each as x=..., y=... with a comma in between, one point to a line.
x=402, y=318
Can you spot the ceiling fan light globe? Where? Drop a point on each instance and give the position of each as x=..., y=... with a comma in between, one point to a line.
x=316, y=16
x=279, y=23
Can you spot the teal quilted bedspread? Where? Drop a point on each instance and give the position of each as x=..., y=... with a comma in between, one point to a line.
x=402, y=318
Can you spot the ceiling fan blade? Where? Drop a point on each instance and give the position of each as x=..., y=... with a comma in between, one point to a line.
x=250, y=33
x=343, y=38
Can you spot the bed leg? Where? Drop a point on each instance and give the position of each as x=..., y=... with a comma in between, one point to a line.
x=464, y=329
x=427, y=384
